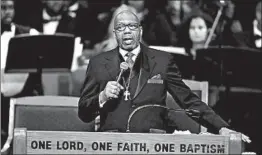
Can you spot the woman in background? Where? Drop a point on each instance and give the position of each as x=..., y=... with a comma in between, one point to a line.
x=195, y=31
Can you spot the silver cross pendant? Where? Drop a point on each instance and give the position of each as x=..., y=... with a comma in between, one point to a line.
x=127, y=95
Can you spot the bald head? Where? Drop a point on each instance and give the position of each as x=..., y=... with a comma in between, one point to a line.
x=126, y=14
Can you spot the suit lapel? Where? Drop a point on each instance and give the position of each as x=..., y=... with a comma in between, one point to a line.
x=148, y=65
x=112, y=63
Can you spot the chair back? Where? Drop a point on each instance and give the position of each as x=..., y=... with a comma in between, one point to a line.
x=200, y=88
x=51, y=113
x=46, y=113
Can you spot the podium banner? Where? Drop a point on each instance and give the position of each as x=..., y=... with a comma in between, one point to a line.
x=56, y=142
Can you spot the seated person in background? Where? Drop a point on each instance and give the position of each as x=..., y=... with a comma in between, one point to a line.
x=7, y=16
x=251, y=39
x=193, y=36
x=84, y=20
x=9, y=82
x=53, y=18
x=156, y=29
x=140, y=7
x=228, y=23
x=187, y=7
x=195, y=32
x=150, y=75
x=12, y=85
x=173, y=13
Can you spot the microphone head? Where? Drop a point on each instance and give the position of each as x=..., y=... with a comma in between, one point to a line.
x=124, y=66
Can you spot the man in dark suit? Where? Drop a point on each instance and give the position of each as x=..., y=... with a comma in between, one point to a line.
x=53, y=18
x=7, y=17
x=152, y=73
x=10, y=83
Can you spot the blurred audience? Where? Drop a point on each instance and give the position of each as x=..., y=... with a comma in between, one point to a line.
x=174, y=14
x=7, y=16
x=53, y=18
x=139, y=6
x=8, y=28
x=79, y=12
x=156, y=29
x=228, y=24
x=251, y=38
x=9, y=86
x=12, y=85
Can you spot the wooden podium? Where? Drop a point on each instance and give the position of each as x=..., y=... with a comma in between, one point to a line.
x=58, y=142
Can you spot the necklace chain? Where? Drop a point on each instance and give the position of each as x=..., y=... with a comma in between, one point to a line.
x=127, y=85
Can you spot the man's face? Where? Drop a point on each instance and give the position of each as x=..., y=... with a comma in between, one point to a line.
x=56, y=6
x=198, y=30
x=138, y=5
x=173, y=7
x=127, y=31
x=7, y=11
x=187, y=6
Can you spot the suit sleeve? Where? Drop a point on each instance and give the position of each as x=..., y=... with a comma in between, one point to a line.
x=88, y=105
x=188, y=100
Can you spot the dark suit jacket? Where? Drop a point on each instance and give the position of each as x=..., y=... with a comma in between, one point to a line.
x=19, y=29
x=245, y=39
x=114, y=115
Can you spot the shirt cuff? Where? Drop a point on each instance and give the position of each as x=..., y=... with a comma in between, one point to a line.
x=102, y=99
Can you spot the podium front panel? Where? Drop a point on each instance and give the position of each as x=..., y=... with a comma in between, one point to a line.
x=57, y=142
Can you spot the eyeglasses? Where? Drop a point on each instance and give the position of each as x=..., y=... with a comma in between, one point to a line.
x=122, y=27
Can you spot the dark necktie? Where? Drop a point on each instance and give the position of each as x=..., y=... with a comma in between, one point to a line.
x=257, y=37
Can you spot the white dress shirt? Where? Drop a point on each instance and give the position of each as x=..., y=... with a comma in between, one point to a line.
x=135, y=51
x=50, y=27
x=11, y=84
x=5, y=38
x=73, y=9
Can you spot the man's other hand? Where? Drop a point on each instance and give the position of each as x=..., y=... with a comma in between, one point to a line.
x=226, y=132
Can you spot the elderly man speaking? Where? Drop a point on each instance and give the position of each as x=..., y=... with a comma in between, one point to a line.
x=114, y=92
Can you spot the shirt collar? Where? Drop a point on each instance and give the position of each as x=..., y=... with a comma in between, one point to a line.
x=74, y=7
x=135, y=51
x=256, y=30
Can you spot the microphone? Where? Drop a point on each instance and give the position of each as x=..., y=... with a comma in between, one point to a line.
x=123, y=67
